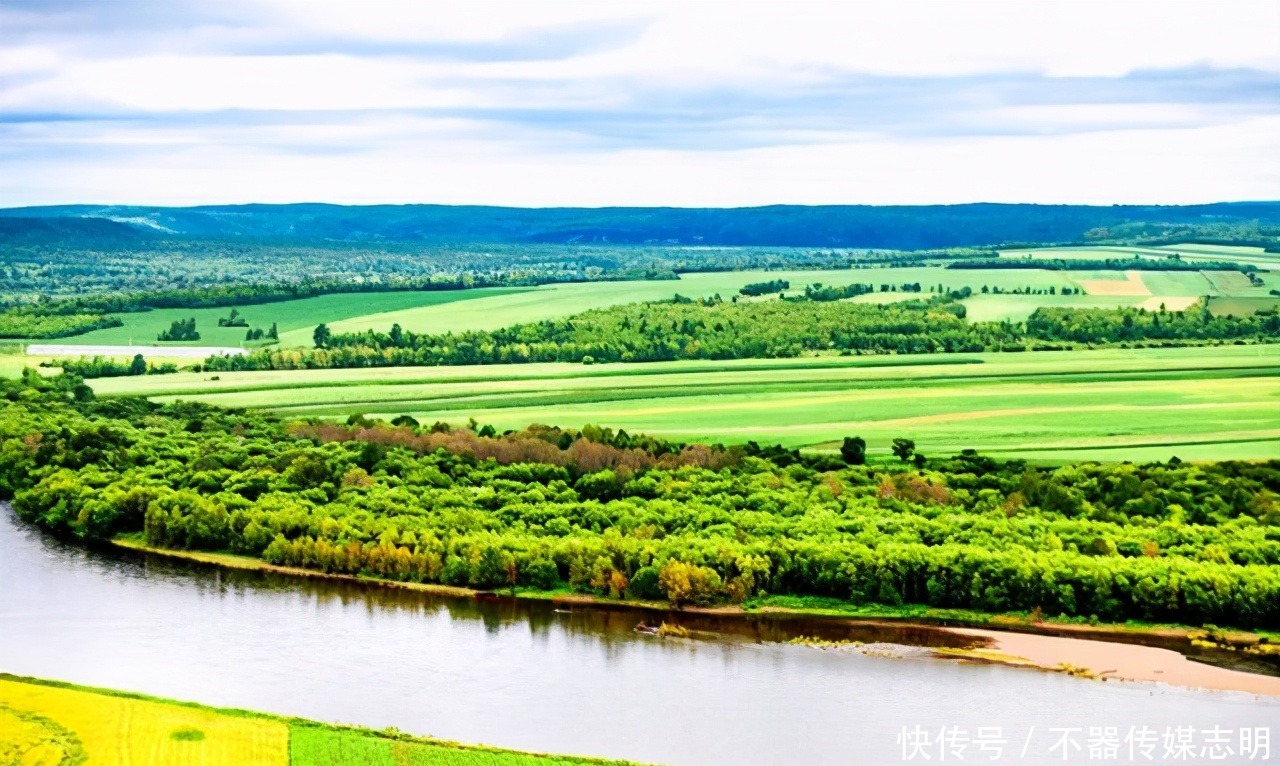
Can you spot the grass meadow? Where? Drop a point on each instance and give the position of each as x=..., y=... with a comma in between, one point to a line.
x=53, y=724
x=1109, y=404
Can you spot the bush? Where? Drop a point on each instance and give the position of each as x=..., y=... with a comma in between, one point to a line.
x=645, y=585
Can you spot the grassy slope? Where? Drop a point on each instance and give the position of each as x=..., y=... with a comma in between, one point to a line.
x=57, y=720
x=1113, y=404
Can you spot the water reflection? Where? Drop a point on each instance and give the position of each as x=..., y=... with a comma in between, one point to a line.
x=532, y=675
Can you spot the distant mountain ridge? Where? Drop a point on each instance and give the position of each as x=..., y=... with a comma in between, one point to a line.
x=853, y=226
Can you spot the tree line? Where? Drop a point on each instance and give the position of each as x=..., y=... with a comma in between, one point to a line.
x=619, y=515
x=1136, y=263
x=716, y=329
x=32, y=324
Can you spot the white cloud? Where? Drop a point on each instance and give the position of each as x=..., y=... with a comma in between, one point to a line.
x=708, y=103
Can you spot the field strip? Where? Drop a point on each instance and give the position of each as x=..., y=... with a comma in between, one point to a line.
x=749, y=395
x=1236, y=437
x=1169, y=302
x=765, y=400
x=1116, y=442
x=919, y=420
x=1098, y=360
x=868, y=377
x=435, y=375
x=185, y=352
x=1131, y=285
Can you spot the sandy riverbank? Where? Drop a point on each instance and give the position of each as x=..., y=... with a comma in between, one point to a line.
x=1130, y=662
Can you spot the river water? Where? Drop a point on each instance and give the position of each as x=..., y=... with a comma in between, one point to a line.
x=535, y=677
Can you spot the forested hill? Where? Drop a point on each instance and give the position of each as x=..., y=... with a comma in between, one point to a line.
x=856, y=226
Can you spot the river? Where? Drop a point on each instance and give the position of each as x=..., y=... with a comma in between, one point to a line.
x=534, y=677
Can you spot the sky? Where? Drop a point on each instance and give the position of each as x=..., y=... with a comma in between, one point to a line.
x=648, y=103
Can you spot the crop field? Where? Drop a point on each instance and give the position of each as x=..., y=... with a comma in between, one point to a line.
x=492, y=308
x=1255, y=256
x=1196, y=403
x=62, y=723
x=1242, y=306
x=552, y=301
x=51, y=724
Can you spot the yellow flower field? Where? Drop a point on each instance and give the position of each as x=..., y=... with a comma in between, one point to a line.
x=48, y=726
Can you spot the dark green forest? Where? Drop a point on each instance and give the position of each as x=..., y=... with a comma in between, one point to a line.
x=618, y=515
x=72, y=278
x=897, y=227
x=86, y=249
x=718, y=329
x=26, y=323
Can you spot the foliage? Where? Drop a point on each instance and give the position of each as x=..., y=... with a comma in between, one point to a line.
x=1163, y=542
x=713, y=329
x=233, y=320
x=765, y=288
x=31, y=324
x=889, y=226
x=180, y=330
x=103, y=367
x=1129, y=324
x=1137, y=263
x=854, y=450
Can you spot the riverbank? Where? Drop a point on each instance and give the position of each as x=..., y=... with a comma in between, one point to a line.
x=1104, y=660
x=53, y=722
x=1141, y=653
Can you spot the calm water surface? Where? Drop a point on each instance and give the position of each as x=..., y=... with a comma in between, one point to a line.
x=530, y=676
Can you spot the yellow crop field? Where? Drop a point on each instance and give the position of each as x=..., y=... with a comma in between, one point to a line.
x=48, y=723
x=53, y=726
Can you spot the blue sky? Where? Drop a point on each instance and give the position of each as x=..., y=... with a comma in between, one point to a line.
x=693, y=103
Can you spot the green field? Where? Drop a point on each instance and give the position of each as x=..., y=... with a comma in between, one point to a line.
x=1196, y=403
x=1255, y=256
x=1243, y=306
x=552, y=301
x=45, y=723
x=296, y=317
x=493, y=308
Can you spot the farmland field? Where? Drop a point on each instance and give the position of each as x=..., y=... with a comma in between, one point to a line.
x=51, y=724
x=492, y=308
x=1255, y=256
x=1196, y=403
x=112, y=730
x=298, y=316
x=1242, y=306
x=551, y=301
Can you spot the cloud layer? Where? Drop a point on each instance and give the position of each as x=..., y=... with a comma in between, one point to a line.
x=648, y=103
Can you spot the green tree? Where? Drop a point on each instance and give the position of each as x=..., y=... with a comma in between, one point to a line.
x=321, y=335
x=138, y=366
x=854, y=450
x=904, y=449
